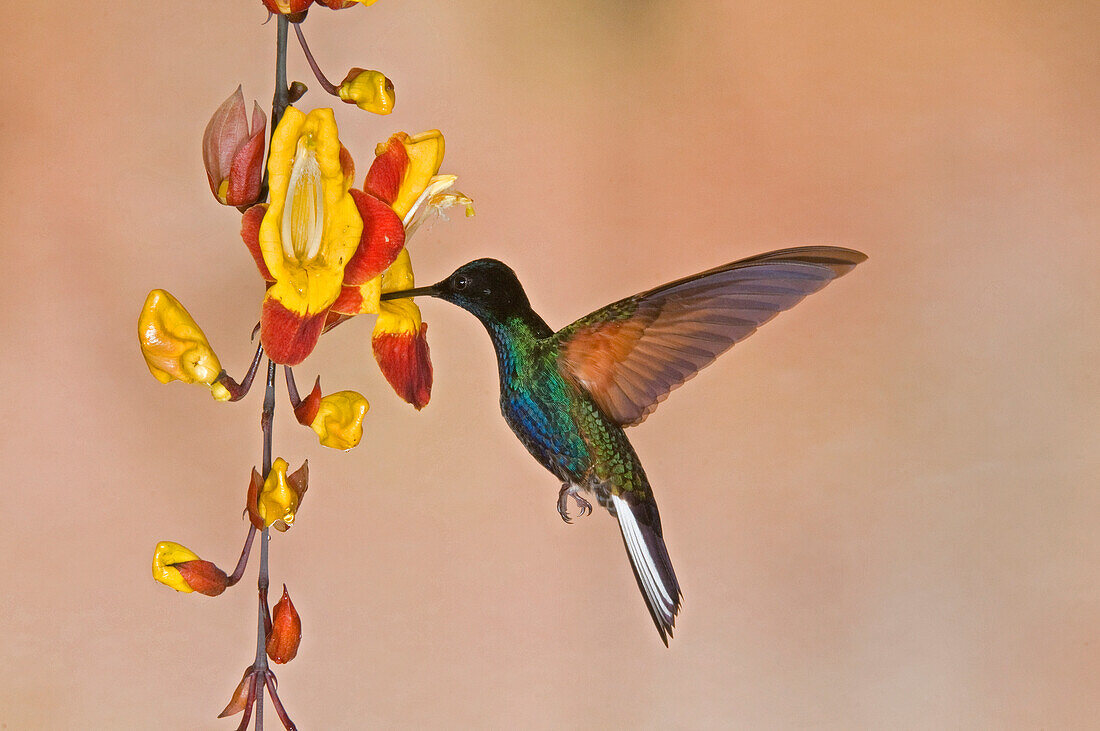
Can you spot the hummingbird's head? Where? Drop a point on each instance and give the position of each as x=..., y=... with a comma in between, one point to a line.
x=487, y=288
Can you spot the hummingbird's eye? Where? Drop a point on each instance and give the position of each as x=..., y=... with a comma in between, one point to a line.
x=461, y=282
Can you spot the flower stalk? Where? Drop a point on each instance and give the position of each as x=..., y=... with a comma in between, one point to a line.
x=325, y=83
x=326, y=252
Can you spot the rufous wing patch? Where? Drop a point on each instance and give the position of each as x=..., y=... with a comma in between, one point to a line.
x=632, y=353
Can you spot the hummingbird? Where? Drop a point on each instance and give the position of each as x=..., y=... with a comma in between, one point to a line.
x=568, y=395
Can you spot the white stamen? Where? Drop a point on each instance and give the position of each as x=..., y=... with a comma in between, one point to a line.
x=433, y=201
x=303, y=210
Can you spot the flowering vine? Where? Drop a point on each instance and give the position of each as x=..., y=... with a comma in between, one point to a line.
x=326, y=251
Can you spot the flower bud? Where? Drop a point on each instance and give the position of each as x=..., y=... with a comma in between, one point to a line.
x=178, y=567
x=279, y=497
x=233, y=153
x=175, y=347
x=286, y=631
x=371, y=91
x=337, y=418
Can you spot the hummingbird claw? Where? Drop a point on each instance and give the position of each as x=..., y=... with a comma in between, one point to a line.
x=571, y=491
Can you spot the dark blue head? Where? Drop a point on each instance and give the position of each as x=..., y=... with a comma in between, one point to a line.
x=487, y=288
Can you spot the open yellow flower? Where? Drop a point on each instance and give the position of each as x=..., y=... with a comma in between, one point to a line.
x=405, y=175
x=309, y=232
x=175, y=347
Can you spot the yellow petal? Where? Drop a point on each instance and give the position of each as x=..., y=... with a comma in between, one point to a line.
x=174, y=346
x=425, y=152
x=166, y=554
x=400, y=315
x=278, y=500
x=371, y=91
x=312, y=226
x=339, y=420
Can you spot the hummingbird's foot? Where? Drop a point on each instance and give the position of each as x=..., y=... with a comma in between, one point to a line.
x=572, y=491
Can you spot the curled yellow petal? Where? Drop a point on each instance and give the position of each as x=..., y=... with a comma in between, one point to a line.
x=339, y=419
x=174, y=346
x=425, y=154
x=369, y=90
x=278, y=500
x=166, y=554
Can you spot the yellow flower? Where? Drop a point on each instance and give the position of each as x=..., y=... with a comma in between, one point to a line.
x=308, y=234
x=280, y=495
x=175, y=347
x=371, y=91
x=179, y=568
x=400, y=341
x=339, y=419
x=405, y=175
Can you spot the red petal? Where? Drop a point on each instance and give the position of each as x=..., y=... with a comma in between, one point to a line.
x=250, y=234
x=347, y=304
x=347, y=163
x=246, y=172
x=288, y=338
x=382, y=240
x=387, y=171
x=406, y=363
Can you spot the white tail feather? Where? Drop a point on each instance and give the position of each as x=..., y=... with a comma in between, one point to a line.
x=661, y=598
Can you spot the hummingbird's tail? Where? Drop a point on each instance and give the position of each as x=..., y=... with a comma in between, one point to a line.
x=641, y=528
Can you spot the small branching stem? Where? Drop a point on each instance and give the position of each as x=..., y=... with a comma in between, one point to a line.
x=242, y=562
x=325, y=83
x=239, y=390
x=291, y=387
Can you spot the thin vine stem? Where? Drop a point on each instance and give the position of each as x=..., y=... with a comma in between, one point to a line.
x=324, y=82
x=263, y=621
x=279, y=102
x=282, y=92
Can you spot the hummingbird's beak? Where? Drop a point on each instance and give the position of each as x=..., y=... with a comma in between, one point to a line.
x=432, y=291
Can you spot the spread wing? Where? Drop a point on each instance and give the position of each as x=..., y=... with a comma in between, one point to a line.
x=631, y=354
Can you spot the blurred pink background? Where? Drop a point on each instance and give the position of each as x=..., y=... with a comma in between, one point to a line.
x=883, y=507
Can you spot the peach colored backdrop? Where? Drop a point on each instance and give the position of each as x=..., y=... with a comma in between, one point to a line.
x=883, y=508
